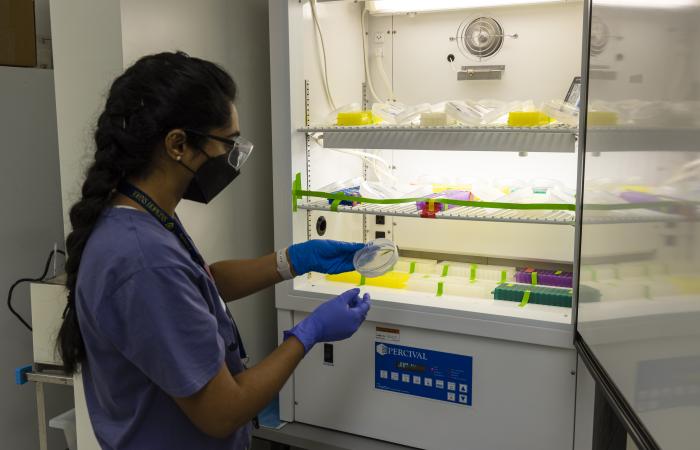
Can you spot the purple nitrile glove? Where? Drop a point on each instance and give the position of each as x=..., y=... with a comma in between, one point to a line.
x=325, y=256
x=334, y=320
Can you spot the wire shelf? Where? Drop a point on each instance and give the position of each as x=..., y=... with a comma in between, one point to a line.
x=458, y=213
x=557, y=138
x=502, y=215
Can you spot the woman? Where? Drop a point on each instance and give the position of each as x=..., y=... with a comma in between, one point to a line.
x=160, y=355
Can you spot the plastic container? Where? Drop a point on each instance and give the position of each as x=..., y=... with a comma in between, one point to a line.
x=454, y=270
x=601, y=272
x=432, y=206
x=462, y=287
x=398, y=113
x=602, y=118
x=357, y=118
x=540, y=295
x=332, y=118
x=436, y=119
x=561, y=112
x=467, y=114
x=498, y=274
x=391, y=280
x=528, y=119
x=476, y=272
x=612, y=291
x=423, y=283
x=346, y=277
x=376, y=258
x=556, y=278
x=414, y=265
x=66, y=422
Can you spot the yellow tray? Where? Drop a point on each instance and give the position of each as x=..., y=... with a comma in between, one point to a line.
x=357, y=118
x=528, y=119
x=393, y=280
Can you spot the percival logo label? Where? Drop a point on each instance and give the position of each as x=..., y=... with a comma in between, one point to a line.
x=414, y=354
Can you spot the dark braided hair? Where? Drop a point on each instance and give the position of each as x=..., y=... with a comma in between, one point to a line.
x=157, y=94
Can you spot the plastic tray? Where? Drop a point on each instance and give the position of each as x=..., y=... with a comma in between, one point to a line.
x=556, y=278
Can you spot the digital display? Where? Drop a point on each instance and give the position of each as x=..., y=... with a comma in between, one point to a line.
x=403, y=365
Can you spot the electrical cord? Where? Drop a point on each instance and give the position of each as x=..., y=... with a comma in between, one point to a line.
x=30, y=280
x=326, y=85
x=365, y=44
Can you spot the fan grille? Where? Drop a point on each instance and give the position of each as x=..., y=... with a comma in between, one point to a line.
x=600, y=35
x=480, y=38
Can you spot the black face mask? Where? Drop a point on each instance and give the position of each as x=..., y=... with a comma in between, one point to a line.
x=210, y=179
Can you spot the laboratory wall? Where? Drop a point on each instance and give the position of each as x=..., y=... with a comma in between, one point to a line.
x=31, y=224
x=238, y=223
x=87, y=53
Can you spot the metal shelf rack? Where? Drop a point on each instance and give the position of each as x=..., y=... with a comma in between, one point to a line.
x=538, y=216
x=548, y=139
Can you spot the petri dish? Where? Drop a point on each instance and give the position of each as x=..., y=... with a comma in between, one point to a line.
x=376, y=258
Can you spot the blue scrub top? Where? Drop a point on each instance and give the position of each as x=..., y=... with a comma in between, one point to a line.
x=154, y=328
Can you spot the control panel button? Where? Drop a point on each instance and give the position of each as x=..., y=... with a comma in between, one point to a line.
x=463, y=388
x=416, y=379
x=428, y=382
x=451, y=396
x=383, y=374
x=451, y=386
x=462, y=398
x=394, y=376
x=440, y=384
x=406, y=378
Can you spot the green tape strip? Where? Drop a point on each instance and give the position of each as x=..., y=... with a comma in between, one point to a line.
x=671, y=202
x=296, y=187
x=472, y=274
x=363, y=280
x=445, y=201
x=558, y=272
x=504, y=276
x=412, y=267
x=445, y=269
x=334, y=205
x=526, y=299
x=440, y=289
x=534, y=278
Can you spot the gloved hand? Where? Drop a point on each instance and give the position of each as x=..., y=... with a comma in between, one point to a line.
x=320, y=255
x=335, y=320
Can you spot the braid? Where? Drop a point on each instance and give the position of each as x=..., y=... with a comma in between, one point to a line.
x=157, y=94
x=97, y=194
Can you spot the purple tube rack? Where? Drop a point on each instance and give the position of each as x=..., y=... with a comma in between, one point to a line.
x=545, y=277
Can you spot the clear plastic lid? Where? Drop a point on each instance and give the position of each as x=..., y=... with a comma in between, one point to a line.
x=376, y=258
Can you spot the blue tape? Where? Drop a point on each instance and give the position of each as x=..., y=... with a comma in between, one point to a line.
x=21, y=374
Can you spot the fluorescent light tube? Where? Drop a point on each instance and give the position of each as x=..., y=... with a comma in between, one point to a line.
x=408, y=6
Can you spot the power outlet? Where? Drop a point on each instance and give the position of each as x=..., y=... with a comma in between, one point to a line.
x=378, y=38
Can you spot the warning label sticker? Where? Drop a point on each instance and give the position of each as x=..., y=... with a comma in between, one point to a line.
x=388, y=334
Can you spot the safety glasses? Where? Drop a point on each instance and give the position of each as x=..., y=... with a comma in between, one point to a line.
x=238, y=148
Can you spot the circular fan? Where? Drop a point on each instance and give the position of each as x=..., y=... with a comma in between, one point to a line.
x=600, y=35
x=480, y=38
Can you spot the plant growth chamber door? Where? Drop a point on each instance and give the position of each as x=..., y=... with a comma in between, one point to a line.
x=638, y=321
